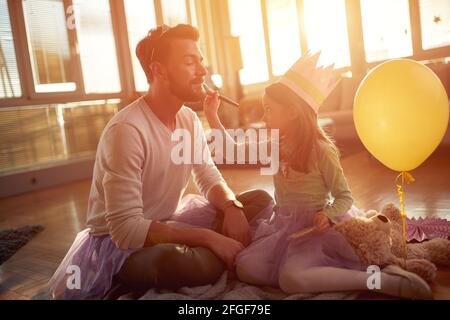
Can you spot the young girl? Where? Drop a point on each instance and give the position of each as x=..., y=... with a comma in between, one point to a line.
x=310, y=176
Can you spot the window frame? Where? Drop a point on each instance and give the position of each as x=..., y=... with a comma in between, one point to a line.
x=29, y=94
x=358, y=63
x=214, y=26
x=419, y=53
x=361, y=66
x=257, y=87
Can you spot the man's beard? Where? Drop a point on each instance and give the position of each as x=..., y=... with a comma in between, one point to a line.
x=184, y=93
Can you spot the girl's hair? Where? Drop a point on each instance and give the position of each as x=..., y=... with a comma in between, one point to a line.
x=303, y=132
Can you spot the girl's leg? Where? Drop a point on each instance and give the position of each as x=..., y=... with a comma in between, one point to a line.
x=254, y=265
x=253, y=273
x=328, y=279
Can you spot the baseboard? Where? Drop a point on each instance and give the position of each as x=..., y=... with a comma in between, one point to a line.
x=50, y=175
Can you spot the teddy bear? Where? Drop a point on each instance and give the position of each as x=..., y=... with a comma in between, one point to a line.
x=436, y=250
x=377, y=240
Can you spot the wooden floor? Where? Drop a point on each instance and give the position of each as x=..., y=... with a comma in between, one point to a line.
x=62, y=210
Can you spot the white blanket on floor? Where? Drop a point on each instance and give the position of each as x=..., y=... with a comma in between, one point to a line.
x=236, y=290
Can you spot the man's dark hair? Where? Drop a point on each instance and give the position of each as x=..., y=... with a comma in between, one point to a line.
x=156, y=46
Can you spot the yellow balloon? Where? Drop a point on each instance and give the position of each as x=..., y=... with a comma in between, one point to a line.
x=401, y=113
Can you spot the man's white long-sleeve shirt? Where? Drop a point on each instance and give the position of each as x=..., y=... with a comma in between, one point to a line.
x=135, y=179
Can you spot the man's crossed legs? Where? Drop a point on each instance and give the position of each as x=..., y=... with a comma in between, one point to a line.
x=172, y=266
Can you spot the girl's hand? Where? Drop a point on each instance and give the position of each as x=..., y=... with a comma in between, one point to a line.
x=211, y=104
x=321, y=222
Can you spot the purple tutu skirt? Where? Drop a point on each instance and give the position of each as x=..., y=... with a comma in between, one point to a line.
x=271, y=246
x=87, y=270
x=96, y=259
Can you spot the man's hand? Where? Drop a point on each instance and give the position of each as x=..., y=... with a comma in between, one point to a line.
x=321, y=222
x=235, y=225
x=223, y=247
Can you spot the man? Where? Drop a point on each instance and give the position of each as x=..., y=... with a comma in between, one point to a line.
x=137, y=187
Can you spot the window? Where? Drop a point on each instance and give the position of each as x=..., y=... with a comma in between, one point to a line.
x=326, y=31
x=284, y=34
x=386, y=29
x=38, y=135
x=9, y=82
x=174, y=12
x=246, y=22
x=97, y=46
x=49, y=45
x=435, y=23
x=193, y=12
x=140, y=15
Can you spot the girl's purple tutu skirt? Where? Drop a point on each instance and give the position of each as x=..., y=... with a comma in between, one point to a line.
x=271, y=246
x=98, y=259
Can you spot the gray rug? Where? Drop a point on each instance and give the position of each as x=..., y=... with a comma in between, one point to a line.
x=11, y=240
x=42, y=294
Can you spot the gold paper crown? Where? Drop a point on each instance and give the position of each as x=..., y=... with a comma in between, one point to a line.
x=311, y=83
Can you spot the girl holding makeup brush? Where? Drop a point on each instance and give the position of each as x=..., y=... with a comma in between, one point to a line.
x=310, y=177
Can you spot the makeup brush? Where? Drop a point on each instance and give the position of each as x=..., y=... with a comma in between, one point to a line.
x=302, y=233
x=221, y=97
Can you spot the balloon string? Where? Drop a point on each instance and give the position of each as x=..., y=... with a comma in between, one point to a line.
x=405, y=176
